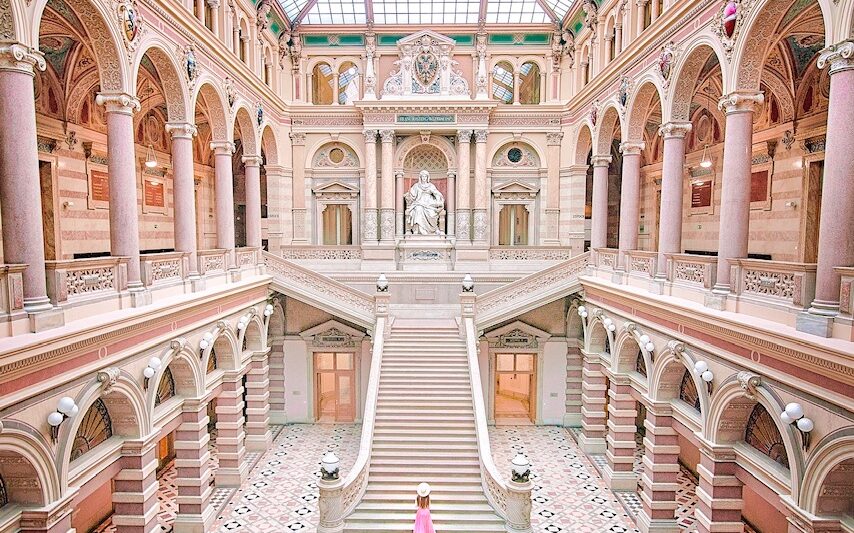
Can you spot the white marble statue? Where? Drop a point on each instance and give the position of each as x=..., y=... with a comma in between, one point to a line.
x=424, y=202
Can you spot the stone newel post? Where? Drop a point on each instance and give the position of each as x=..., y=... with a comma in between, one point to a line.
x=330, y=505
x=519, y=506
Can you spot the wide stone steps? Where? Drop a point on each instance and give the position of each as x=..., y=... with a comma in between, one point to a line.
x=424, y=432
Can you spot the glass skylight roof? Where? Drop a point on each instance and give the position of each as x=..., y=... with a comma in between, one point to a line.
x=424, y=11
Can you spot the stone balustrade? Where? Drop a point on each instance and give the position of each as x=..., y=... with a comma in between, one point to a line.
x=166, y=268
x=691, y=270
x=792, y=284
x=846, y=287
x=529, y=253
x=11, y=289
x=641, y=263
x=322, y=253
x=247, y=257
x=606, y=258
x=74, y=281
x=213, y=261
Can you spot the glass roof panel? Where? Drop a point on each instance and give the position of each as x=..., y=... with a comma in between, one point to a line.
x=426, y=11
x=515, y=12
x=336, y=12
x=560, y=7
x=292, y=7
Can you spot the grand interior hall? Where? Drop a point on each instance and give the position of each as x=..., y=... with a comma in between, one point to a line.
x=581, y=266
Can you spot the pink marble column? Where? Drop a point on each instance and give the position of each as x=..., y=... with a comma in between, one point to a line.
x=224, y=198
x=594, y=389
x=258, y=436
x=836, y=230
x=122, y=164
x=387, y=202
x=451, y=204
x=670, y=220
x=463, y=203
x=660, y=473
x=20, y=191
x=599, y=222
x=399, y=192
x=193, y=476
x=622, y=411
x=629, y=199
x=735, y=189
x=252, y=164
x=369, y=200
x=135, y=487
x=719, y=491
x=183, y=191
x=231, y=451
x=480, y=213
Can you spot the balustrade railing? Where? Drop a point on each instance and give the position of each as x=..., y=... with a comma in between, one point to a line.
x=164, y=268
x=846, y=287
x=322, y=253
x=246, y=257
x=529, y=253
x=213, y=261
x=606, y=258
x=74, y=281
x=692, y=270
x=774, y=281
x=641, y=262
x=11, y=289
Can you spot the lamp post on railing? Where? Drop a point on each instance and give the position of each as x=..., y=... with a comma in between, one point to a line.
x=331, y=503
x=519, y=496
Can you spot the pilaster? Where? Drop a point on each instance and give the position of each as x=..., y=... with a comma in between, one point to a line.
x=231, y=451
x=192, y=463
x=619, y=474
x=258, y=436
x=135, y=487
x=593, y=404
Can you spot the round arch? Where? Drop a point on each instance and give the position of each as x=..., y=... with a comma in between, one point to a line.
x=443, y=144
x=175, y=91
x=835, y=449
x=686, y=73
x=185, y=367
x=245, y=125
x=604, y=133
x=270, y=144
x=311, y=152
x=225, y=343
x=214, y=102
x=26, y=442
x=666, y=373
x=625, y=352
x=638, y=107
x=506, y=140
x=254, y=333
x=583, y=143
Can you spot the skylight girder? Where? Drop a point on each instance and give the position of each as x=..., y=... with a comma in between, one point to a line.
x=304, y=11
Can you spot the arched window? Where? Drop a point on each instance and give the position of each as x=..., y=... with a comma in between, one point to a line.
x=640, y=364
x=762, y=433
x=348, y=83
x=688, y=391
x=321, y=84
x=529, y=83
x=95, y=428
x=212, y=362
x=502, y=82
x=166, y=387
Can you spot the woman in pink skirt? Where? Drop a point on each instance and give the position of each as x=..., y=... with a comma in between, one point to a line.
x=423, y=522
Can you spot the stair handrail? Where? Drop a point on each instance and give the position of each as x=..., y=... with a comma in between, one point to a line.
x=339, y=498
x=322, y=291
x=511, y=500
x=528, y=291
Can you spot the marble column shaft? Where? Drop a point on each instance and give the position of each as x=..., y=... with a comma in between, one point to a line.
x=258, y=436
x=599, y=222
x=836, y=231
x=300, y=233
x=481, y=190
x=135, y=504
x=230, y=434
x=670, y=218
x=193, y=473
x=629, y=199
x=370, y=221
x=719, y=493
x=622, y=411
x=224, y=198
x=252, y=175
x=184, y=192
x=594, y=390
x=735, y=188
x=553, y=192
x=20, y=186
x=387, y=195
x=399, y=192
x=463, y=202
x=660, y=474
x=451, y=204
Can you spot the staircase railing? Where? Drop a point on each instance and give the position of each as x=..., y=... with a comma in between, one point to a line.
x=320, y=291
x=530, y=291
x=510, y=499
x=338, y=498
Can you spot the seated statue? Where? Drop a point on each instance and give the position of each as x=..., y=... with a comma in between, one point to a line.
x=424, y=202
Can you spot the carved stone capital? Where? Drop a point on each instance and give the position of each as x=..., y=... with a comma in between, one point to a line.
x=677, y=130
x=464, y=136
x=554, y=138
x=480, y=136
x=251, y=160
x=20, y=58
x=387, y=136
x=632, y=148
x=181, y=130
x=741, y=102
x=108, y=378
x=297, y=138
x=118, y=103
x=370, y=136
x=839, y=56
x=600, y=160
x=222, y=147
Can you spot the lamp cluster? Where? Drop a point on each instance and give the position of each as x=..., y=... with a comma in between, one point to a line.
x=329, y=466
x=382, y=283
x=154, y=365
x=702, y=368
x=609, y=324
x=794, y=414
x=582, y=311
x=468, y=283
x=206, y=341
x=243, y=322
x=65, y=408
x=647, y=343
x=521, y=469
x=268, y=310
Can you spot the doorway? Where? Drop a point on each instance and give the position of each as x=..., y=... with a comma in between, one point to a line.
x=334, y=387
x=513, y=225
x=515, y=387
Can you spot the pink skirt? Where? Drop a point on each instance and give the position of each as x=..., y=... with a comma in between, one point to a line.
x=423, y=523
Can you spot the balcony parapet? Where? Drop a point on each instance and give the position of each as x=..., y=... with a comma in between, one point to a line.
x=690, y=270
x=214, y=261
x=606, y=258
x=11, y=290
x=72, y=282
x=168, y=268
x=776, y=282
x=641, y=263
x=846, y=288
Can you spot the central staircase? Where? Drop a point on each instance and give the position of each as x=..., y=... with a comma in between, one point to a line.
x=424, y=431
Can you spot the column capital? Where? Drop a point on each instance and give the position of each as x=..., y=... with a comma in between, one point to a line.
x=297, y=138
x=480, y=135
x=123, y=103
x=741, y=102
x=181, y=130
x=370, y=136
x=677, y=130
x=632, y=148
x=20, y=58
x=387, y=136
x=222, y=147
x=600, y=160
x=251, y=160
x=554, y=138
x=839, y=56
x=464, y=136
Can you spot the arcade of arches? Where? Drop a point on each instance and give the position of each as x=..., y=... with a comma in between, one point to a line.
x=211, y=272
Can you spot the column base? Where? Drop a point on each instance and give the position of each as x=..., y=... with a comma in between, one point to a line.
x=194, y=523
x=592, y=446
x=716, y=299
x=258, y=443
x=234, y=275
x=649, y=525
x=53, y=317
x=620, y=480
x=139, y=296
x=572, y=420
x=232, y=477
x=814, y=324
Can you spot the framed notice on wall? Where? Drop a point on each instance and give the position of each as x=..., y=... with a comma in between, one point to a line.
x=760, y=187
x=702, y=191
x=154, y=190
x=98, y=179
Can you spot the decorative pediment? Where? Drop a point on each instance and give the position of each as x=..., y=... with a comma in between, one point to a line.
x=515, y=190
x=335, y=190
x=517, y=335
x=426, y=67
x=333, y=334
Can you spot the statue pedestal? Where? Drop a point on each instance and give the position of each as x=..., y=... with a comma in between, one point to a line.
x=425, y=253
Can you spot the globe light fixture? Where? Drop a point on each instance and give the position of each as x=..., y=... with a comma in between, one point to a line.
x=521, y=469
x=268, y=310
x=154, y=365
x=150, y=158
x=329, y=466
x=382, y=283
x=582, y=311
x=65, y=408
x=794, y=414
x=468, y=283
x=705, y=162
x=702, y=369
x=206, y=341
